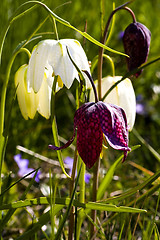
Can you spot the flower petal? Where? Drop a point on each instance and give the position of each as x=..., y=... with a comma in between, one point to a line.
x=61, y=63
x=89, y=134
x=28, y=101
x=44, y=99
x=114, y=125
x=122, y=95
x=65, y=145
x=37, y=64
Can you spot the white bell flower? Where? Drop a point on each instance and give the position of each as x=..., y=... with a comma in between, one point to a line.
x=51, y=56
x=122, y=95
x=31, y=102
x=34, y=81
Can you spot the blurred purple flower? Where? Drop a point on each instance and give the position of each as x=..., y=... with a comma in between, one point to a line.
x=120, y=35
x=140, y=106
x=69, y=162
x=24, y=169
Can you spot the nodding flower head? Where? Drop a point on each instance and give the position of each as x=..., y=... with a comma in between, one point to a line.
x=136, y=40
x=92, y=120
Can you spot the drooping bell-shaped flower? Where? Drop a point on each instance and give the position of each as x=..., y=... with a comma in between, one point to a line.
x=122, y=95
x=31, y=102
x=136, y=40
x=92, y=120
x=50, y=57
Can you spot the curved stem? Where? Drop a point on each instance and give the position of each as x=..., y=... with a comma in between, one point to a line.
x=111, y=63
x=101, y=50
x=2, y=107
x=93, y=85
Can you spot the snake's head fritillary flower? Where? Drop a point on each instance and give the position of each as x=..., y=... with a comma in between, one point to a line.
x=31, y=102
x=92, y=120
x=136, y=40
x=50, y=57
x=122, y=95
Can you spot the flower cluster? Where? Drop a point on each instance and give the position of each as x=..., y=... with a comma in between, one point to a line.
x=48, y=59
x=111, y=118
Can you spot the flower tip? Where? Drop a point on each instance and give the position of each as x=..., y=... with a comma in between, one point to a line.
x=53, y=147
x=125, y=154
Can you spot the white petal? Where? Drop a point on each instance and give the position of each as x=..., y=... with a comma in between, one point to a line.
x=62, y=64
x=122, y=95
x=38, y=63
x=44, y=99
x=28, y=102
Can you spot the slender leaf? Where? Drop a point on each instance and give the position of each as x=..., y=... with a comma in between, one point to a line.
x=109, y=175
x=67, y=202
x=131, y=192
x=68, y=208
x=44, y=219
x=66, y=23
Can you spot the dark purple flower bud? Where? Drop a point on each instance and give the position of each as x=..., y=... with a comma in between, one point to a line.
x=136, y=40
x=92, y=120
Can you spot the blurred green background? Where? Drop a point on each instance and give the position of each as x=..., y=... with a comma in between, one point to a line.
x=36, y=134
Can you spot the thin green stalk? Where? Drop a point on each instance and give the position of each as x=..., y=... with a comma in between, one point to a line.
x=81, y=196
x=94, y=195
x=11, y=20
x=72, y=180
x=111, y=63
x=54, y=127
x=67, y=24
x=3, y=139
x=55, y=27
x=103, y=41
x=72, y=183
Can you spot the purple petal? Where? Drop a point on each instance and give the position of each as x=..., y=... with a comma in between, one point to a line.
x=22, y=163
x=69, y=162
x=114, y=126
x=136, y=42
x=87, y=177
x=65, y=145
x=89, y=133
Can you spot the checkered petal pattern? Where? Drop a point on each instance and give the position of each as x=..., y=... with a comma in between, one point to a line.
x=136, y=40
x=92, y=120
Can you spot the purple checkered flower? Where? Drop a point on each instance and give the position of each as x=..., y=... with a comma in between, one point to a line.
x=24, y=169
x=136, y=40
x=92, y=120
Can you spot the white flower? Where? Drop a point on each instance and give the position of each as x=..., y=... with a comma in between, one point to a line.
x=50, y=57
x=122, y=95
x=30, y=102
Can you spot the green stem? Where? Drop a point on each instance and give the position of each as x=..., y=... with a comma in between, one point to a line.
x=72, y=182
x=94, y=196
x=103, y=41
x=111, y=63
x=3, y=139
x=81, y=196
